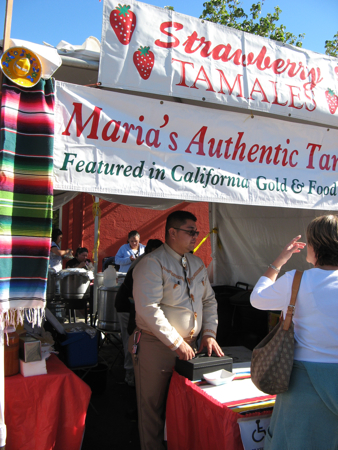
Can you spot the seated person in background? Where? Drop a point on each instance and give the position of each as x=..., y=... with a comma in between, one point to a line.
x=124, y=302
x=129, y=252
x=80, y=261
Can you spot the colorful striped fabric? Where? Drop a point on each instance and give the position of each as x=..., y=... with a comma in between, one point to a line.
x=26, y=198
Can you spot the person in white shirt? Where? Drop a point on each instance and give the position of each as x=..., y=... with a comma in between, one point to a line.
x=306, y=416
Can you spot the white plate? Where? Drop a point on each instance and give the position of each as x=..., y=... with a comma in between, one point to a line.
x=219, y=377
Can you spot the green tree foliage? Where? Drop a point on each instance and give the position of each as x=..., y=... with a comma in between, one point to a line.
x=229, y=13
x=331, y=47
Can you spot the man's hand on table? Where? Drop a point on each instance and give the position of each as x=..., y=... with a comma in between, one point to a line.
x=185, y=352
x=211, y=345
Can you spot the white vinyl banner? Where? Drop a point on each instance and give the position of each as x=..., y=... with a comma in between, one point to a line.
x=107, y=142
x=150, y=49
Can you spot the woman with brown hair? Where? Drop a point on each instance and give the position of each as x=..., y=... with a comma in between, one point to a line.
x=306, y=416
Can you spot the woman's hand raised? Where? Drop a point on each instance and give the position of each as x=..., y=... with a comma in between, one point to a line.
x=292, y=247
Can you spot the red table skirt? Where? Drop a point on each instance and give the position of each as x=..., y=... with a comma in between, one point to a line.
x=196, y=421
x=46, y=412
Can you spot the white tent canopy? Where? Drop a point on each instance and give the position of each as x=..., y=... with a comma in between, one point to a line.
x=250, y=236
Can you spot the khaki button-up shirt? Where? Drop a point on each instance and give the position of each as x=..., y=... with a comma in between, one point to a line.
x=162, y=301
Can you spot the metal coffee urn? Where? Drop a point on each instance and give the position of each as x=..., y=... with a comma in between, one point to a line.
x=106, y=312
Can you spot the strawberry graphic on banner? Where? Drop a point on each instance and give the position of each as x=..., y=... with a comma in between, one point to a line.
x=144, y=60
x=332, y=100
x=123, y=23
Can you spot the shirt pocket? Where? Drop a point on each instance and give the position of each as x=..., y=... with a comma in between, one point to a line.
x=173, y=289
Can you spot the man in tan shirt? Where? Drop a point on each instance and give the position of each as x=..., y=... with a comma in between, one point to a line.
x=174, y=302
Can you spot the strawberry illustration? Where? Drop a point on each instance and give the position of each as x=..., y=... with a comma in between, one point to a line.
x=144, y=60
x=332, y=100
x=123, y=23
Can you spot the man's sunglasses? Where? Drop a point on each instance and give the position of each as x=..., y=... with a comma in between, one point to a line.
x=191, y=233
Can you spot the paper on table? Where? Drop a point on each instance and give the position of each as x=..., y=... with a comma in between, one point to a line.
x=237, y=390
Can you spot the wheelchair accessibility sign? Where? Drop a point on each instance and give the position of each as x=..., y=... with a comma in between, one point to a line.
x=253, y=431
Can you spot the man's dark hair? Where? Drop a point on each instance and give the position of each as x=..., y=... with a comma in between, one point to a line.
x=178, y=218
x=152, y=244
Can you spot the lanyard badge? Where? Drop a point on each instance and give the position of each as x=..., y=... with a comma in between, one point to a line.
x=184, y=263
x=137, y=337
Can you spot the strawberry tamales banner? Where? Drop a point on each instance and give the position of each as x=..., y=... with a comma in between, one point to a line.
x=107, y=142
x=155, y=50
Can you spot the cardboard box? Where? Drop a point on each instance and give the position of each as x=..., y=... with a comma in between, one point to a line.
x=33, y=368
x=29, y=349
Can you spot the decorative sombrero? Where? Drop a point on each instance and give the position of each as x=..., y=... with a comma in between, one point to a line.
x=22, y=66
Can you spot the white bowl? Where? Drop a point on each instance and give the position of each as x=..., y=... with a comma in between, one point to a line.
x=219, y=377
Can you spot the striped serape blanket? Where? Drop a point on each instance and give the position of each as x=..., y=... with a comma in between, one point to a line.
x=26, y=196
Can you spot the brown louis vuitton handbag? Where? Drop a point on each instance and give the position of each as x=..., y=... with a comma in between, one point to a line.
x=272, y=358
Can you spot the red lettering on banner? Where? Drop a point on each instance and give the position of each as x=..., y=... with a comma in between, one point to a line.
x=230, y=89
x=199, y=142
x=265, y=151
x=294, y=152
x=309, y=87
x=183, y=63
x=173, y=136
x=191, y=40
x=239, y=146
x=334, y=163
x=225, y=53
x=217, y=152
x=276, y=102
x=313, y=148
x=253, y=150
x=206, y=79
x=163, y=27
x=260, y=90
x=224, y=87
x=239, y=152
x=324, y=162
x=293, y=95
x=113, y=137
x=95, y=117
x=127, y=127
x=226, y=152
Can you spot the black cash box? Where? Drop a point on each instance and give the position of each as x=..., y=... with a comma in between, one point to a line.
x=201, y=364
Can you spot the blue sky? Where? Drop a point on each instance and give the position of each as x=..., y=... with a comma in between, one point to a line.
x=74, y=20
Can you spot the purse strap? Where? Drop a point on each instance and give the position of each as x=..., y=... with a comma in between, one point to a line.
x=291, y=308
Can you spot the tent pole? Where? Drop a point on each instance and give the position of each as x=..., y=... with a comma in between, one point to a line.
x=214, y=238
x=7, y=30
x=96, y=257
x=2, y=388
x=3, y=431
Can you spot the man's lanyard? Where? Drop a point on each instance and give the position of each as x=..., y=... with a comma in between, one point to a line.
x=184, y=263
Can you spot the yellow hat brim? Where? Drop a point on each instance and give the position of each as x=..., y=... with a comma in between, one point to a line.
x=11, y=56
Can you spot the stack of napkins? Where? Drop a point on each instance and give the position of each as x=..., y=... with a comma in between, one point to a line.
x=32, y=360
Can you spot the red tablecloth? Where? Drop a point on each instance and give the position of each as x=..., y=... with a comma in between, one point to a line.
x=196, y=421
x=46, y=412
